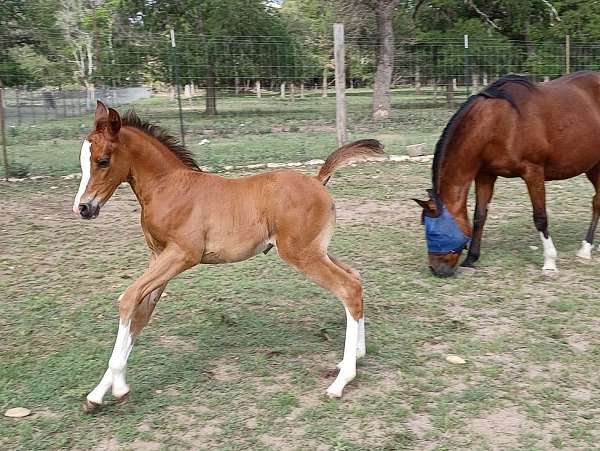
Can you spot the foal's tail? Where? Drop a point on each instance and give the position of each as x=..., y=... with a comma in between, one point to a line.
x=358, y=150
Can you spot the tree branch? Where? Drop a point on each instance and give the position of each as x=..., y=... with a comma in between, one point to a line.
x=485, y=17
x=553, y=10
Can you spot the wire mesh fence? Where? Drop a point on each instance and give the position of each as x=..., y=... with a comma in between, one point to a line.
x=289, y=86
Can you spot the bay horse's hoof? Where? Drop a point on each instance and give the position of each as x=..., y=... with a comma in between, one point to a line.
x=89, y=406
x=585, y=251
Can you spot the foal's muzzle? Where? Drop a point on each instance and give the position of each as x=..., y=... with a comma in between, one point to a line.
x=89, y=210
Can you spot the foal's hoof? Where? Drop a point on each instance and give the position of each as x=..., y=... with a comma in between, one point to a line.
x=123, y=398
x=333, y=394
x=89, y=406
x=550, y=272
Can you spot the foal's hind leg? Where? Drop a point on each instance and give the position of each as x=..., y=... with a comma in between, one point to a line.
x=317, y=265
x=361, y=348
x=585, y=251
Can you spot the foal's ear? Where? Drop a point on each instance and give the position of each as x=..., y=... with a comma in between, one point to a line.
x=114, y=122
x=101, y=115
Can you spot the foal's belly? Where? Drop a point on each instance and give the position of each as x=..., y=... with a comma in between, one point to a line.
x=233, y=249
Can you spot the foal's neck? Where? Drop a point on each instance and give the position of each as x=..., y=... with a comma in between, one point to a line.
x=150, y=161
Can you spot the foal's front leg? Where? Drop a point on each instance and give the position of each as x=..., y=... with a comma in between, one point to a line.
x=534, y=178
x=135, y=309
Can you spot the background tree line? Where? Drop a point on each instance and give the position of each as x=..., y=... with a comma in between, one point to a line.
x=247, y=44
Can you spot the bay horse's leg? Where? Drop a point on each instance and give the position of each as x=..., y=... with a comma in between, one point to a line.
x=142, y=294
x=322, y=270
x=534, y=178
x=362, y=348
x=484, y=189
x=585, y=251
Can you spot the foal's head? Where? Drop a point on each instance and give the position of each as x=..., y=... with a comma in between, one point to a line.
x=445, y=239
x=103, y=163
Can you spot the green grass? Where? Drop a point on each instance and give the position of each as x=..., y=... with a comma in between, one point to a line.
x=238, y=356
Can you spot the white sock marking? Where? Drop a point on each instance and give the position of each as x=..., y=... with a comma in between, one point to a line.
x=115, y=374
x=362, y=346
x=585, y=251
x=549, y=254
x=85, y=159
x=348, y=363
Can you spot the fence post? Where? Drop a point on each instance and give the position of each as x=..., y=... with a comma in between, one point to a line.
x=176, y=64
x=3, y=131
x=567, y=54
x=466, y=37
x=340, y=82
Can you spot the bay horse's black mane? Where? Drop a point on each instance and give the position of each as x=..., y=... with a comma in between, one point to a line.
x=131, y=119
x=497, y=90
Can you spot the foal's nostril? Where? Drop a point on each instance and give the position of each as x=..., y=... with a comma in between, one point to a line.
x=85, y=210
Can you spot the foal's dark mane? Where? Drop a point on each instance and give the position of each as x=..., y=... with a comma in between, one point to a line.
x=131, y=119
x=497, y=90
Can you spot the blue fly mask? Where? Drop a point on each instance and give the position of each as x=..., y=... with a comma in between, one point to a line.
x=442, y=233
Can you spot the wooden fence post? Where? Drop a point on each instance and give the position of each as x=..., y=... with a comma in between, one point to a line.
x=340, y=82
x=567, y=54
x=3, y=132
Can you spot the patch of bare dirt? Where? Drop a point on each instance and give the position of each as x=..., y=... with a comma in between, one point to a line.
x=501, y=428
x=419, y=424
x=176, y=343
x=367, y=211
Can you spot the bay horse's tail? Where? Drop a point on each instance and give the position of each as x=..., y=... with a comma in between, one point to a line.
x=358, y=150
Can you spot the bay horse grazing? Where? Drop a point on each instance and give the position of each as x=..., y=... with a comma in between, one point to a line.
x=513, y=128
x=191, y=217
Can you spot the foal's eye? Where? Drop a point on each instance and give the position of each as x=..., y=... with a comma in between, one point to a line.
x=103, y=162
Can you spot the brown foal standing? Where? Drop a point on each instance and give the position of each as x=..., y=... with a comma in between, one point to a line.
x=191, y=217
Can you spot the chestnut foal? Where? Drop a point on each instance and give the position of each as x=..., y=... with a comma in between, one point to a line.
x=191, y=217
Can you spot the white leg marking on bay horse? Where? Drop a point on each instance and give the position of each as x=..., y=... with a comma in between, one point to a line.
x=585, y=251
x=549, y=254
x=348, y=364
x=85, y=158
x=115, y=374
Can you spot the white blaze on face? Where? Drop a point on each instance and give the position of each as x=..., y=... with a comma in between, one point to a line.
x=86, y=163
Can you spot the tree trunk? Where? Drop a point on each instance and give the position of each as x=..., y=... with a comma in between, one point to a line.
x=302, y=90
x=282, y=89
x=417, y=80
x=258, y=93
x=382, y=99
x=211, y=92
x=434, y=86
x=293, y=92
x=236, y=84
x=324, y=85
x=450, y=92
x=485, y=79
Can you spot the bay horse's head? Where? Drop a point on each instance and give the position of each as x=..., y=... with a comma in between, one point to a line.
x=445, y=239
x=103, y=165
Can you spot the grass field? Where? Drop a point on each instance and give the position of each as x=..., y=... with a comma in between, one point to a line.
x=239, y=356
